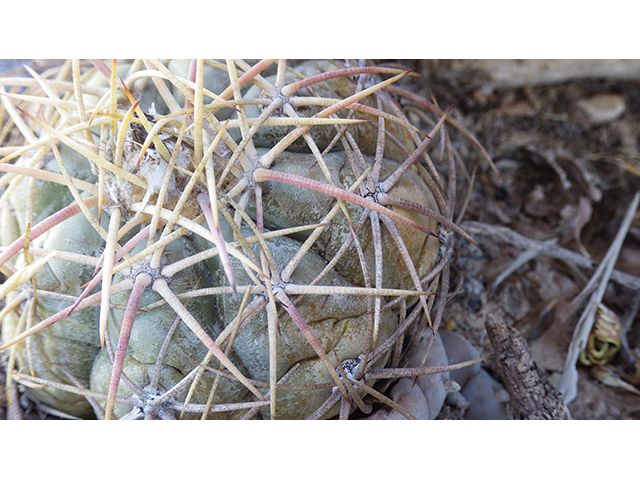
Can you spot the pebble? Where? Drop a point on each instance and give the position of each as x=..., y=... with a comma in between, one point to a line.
x=603, y=108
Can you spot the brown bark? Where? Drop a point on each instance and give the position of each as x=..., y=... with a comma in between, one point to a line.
x=531, y=396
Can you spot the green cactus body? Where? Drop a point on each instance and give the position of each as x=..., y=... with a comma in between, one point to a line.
x=184, y=351
x=73, y=343
x=339, y=322
x=223, y=343
x=286, y=206
x=335, y=88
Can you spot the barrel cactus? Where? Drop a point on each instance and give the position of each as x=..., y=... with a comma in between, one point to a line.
x=211, y=239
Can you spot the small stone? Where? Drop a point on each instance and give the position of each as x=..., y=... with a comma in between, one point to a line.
x=603, y=108
x=450, y=386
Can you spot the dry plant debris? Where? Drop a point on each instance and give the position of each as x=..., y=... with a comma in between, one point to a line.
x=546, y=225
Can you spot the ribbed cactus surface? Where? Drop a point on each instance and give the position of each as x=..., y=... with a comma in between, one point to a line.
x=211, y=239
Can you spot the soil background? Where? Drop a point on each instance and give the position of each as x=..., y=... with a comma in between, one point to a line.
x=564, y=138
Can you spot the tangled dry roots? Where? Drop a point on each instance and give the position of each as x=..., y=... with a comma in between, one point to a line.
x=220, y=239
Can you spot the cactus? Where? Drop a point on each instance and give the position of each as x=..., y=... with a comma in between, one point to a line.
x=220, y=239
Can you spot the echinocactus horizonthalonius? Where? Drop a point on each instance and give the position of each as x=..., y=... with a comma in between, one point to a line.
x=210, y=239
